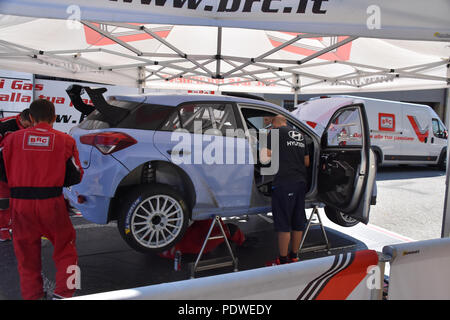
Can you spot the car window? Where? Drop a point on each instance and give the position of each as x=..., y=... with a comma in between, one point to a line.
x=261, y=119
x=345, y=129
x=437, y=130
x=222, y=118
x=96, y=120
x=202, y=118
x=146, y=117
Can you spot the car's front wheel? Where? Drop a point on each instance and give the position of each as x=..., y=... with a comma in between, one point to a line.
x=340, y=218
x=153, y=218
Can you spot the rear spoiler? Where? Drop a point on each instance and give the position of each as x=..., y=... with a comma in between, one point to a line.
x=111, y=114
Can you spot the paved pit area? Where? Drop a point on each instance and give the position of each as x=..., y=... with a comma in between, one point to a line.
x=409, y=207
x=410, y=201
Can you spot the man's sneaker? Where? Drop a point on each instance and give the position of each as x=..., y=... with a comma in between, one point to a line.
x=275, y=262
x=293, y=257
x=5, y=235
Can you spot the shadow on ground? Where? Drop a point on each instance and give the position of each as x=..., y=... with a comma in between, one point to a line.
x=407, y=172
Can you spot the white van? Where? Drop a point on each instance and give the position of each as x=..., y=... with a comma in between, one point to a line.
x=402, y=133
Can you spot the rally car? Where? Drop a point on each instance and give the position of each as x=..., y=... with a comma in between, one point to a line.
x=156, y=162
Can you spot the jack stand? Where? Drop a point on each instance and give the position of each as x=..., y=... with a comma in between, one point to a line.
x=315, y=212
x=217, y=262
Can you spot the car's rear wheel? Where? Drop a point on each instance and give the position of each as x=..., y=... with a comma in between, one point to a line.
x=339, y=217
x=153, y=218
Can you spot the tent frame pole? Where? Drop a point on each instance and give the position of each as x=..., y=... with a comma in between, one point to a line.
x=445, y=231
x=280, y=68
x=219, y=52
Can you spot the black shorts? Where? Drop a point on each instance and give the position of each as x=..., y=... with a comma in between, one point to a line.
x=288, y=207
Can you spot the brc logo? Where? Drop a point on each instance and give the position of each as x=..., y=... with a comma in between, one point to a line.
x=386, y=122
x=38, y=141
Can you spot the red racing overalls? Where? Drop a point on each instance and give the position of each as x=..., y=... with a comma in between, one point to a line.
x=7, y=125
x=36, y=161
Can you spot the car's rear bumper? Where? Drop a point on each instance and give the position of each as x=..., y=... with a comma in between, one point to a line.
x=94, y=209
x=97, y=188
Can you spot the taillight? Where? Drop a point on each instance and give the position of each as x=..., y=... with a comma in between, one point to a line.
x=108, y=142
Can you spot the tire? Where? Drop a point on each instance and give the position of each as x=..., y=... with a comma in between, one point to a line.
x=377, y=159
x=340, y=218
x=153, y=218
x=442, y=163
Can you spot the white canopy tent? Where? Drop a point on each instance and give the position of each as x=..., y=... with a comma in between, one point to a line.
x=269, y=46
x=319, y=50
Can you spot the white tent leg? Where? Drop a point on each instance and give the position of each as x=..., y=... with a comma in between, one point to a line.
x=446, y=216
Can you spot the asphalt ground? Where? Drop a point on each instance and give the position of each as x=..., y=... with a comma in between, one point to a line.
x=107, y=263
x=410, y=201
x=409, y=206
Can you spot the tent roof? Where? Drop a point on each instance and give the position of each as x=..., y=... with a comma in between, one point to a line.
x=219, y=58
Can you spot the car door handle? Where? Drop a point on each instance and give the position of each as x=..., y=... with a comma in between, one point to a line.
x=181, y=152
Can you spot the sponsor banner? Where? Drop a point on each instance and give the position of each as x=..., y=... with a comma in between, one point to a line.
x=419, y=270
x=344, y=276
x=423, y=20
x=16, y=92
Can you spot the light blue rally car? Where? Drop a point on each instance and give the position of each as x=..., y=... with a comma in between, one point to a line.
x=155, y=163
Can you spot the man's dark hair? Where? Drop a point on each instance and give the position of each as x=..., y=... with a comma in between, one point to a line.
x=42, y=110
x=25, y=115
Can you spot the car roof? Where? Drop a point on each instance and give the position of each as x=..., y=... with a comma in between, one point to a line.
x=177, y=99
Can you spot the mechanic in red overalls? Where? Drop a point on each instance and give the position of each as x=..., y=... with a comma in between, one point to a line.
x=8, y=125
x=37, y=163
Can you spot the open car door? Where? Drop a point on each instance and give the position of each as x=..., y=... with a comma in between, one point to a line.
x=347, y=170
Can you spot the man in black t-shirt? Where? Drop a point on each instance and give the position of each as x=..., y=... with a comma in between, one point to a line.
x=289, y=187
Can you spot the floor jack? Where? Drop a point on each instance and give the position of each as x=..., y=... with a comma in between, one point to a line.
x=216, y=262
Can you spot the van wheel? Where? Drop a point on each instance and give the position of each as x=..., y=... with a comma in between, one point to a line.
x=340, y=218
x=442, y=164
x=153, y=218
x=377, y=160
